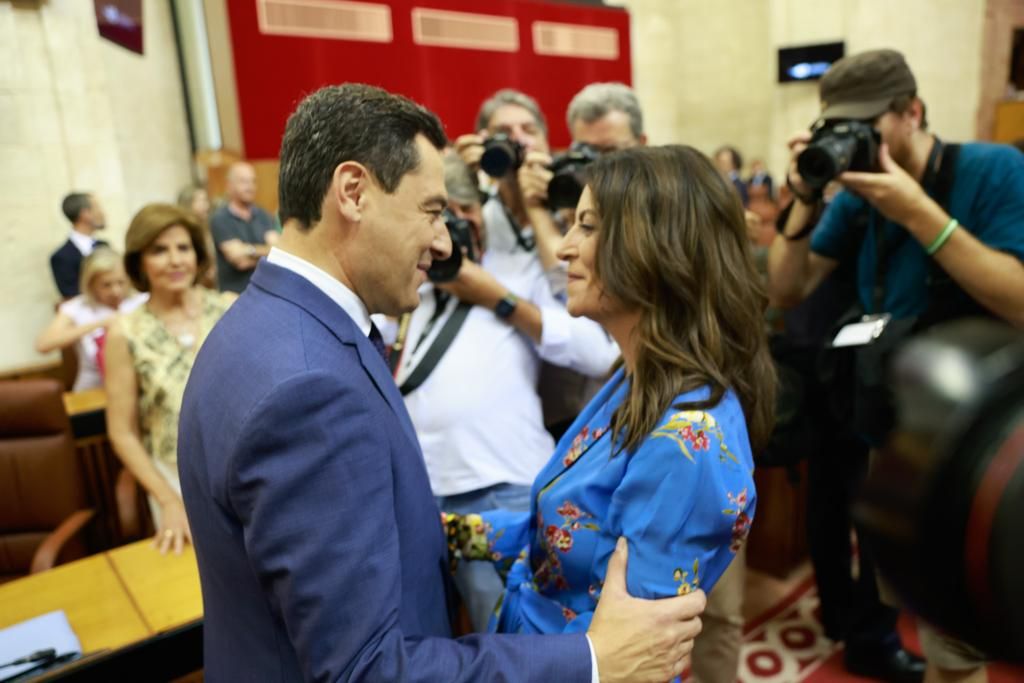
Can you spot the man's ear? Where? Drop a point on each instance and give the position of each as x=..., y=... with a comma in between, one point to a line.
x=348, y=189
x=916, y=112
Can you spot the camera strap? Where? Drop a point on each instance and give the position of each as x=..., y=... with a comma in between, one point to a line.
x=524, y=241
x=437, y=350
x=939, y=173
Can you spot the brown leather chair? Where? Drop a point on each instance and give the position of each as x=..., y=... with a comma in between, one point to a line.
x=43, y=503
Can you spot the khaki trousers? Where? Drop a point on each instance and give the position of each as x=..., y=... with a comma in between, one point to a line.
x=716, y=652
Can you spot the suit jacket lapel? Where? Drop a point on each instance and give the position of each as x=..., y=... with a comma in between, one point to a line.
x=381, y=376
x=303, y=293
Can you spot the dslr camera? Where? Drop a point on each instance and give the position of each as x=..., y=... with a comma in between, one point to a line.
x=501, y=155
x=566, y=186
x=461, y=232
x=835, y=147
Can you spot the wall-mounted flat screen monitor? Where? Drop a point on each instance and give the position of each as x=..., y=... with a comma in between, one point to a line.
x=808, y=62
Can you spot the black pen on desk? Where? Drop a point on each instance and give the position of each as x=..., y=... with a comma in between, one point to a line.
x=36, y=656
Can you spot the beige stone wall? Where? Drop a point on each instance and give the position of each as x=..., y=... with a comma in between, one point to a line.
x=77, y=112
x=705, y=70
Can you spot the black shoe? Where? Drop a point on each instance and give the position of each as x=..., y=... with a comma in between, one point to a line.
x=896, y=666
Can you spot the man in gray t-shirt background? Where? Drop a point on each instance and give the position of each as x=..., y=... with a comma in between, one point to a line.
x=242, y=231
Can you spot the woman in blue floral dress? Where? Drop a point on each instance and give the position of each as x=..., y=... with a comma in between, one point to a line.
x=661, y=456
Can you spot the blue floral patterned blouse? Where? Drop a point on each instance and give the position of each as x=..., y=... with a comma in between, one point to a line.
x=684, y=499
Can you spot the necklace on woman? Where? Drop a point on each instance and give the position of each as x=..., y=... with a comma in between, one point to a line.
x=187, y=340
x=181, y=327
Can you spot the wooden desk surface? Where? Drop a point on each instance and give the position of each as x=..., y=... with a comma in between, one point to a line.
x=89, y=591
x=165, y=588
x=90, y=400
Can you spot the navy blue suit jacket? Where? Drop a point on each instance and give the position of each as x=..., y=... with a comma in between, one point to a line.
x=320, y=548
x=66, y=264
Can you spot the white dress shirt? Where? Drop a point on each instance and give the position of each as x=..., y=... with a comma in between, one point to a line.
x=326, y=283
x=84, y=243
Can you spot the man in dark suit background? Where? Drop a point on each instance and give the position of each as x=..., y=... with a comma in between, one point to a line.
x=86, y=216
x=320, y=548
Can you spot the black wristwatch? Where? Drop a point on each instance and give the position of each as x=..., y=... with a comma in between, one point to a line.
x=507, y=306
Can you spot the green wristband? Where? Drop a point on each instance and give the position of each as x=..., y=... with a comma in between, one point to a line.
x=943, y=237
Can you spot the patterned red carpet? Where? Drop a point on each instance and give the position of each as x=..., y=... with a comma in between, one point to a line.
x=786, y=644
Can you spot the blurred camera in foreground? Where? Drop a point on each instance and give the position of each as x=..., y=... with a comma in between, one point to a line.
x=944, y=504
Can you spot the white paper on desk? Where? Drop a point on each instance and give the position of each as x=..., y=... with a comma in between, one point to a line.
x=50, y=630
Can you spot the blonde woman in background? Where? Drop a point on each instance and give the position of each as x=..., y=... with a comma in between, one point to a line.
x=196, y=199
x=149, y=354
x=82, y=321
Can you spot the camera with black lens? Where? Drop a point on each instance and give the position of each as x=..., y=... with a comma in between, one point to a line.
x=461, y=232
x=501, y=155
x=566, y=185
x=943, y=506
x=836, y=147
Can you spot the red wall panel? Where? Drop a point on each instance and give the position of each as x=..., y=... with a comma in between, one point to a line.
x=273, y=72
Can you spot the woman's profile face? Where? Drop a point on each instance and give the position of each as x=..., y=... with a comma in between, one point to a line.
x=169, y=262
x=585, y=292
x=109, y=288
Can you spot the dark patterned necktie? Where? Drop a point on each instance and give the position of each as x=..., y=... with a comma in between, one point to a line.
x=378, y=342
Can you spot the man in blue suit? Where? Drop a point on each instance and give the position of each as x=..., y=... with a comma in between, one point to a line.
x=320, y=548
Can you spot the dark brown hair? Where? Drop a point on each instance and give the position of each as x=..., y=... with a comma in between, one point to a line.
x=147, y=225
x=672, y=244
x=74, y=204
x=350, y=122
x=902, y=103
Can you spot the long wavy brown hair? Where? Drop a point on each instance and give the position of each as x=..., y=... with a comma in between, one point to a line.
x=672, y=244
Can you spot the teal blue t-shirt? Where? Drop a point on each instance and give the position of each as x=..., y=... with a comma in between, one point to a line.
x=987, y=199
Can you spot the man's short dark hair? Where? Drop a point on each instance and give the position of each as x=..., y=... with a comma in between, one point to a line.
x=350, y=122
x=902, y=103
x=74, y=204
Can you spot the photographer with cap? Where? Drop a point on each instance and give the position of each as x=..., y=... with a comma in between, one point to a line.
x=935, y=231
x=467, y=361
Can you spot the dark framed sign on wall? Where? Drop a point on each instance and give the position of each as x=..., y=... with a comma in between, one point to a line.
x=120, y=21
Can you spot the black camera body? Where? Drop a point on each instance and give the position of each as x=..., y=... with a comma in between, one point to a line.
x=836, y=147
x=461, y=232
x=501, y=155
x=567, y=183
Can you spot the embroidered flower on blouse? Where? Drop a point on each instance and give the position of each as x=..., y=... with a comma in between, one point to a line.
x=682, y=577
x=692, y=431
x=582, y=442
x=558, y=539
x=470, y=537
x=741, y=526
x=568, y=510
